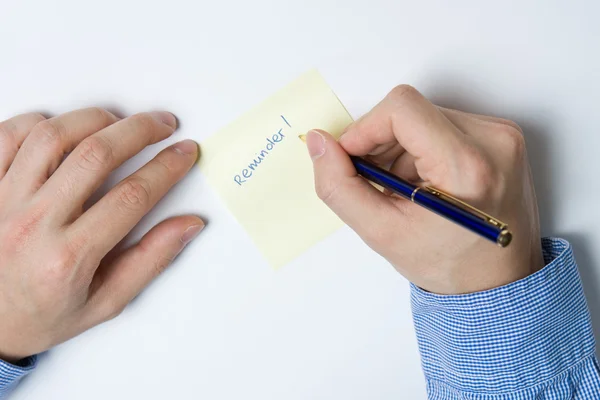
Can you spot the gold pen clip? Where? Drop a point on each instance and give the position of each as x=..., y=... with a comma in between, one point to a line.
x=505, y=236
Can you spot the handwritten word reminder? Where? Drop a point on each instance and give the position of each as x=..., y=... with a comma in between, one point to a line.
x=246, y=173
x=264, y=175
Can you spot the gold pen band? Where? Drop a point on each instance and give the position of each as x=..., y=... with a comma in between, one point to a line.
x=412, y=196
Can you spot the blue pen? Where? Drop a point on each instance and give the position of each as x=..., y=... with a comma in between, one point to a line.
x=437, y=201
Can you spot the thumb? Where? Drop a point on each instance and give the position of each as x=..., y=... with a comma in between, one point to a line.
x=360, y=205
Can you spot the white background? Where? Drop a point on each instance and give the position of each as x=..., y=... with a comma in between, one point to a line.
x=336, y=323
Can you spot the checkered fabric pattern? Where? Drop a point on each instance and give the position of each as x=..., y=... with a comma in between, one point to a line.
x=11, y=374
x=531, y=339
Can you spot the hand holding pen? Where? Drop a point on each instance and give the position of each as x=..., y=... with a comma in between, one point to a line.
x=478, y=159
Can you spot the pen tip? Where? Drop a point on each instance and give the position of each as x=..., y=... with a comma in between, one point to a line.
x=302, y=137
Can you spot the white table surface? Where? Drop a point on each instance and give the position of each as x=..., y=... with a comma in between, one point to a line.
x=336, y=323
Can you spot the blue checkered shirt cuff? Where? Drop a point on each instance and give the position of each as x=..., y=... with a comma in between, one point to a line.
x=530, y=339
x=11, y=374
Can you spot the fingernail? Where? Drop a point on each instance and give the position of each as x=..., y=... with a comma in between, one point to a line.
x=315, y=143
x=190, y=233
x=187, y=146
x=165, y=117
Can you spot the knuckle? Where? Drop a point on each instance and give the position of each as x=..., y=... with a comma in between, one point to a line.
x=168, y=164
x=134, y=193
x=511, y=124
x=103, y=115
x=326, y=191
x=111, y=309
x=332, y=192
x=95, y=153
x=60, y=264
x=115, y=313
x=479, y=173
x=7, y=135
x=403, y=93
x=49, y=131
x=9, y=131
x=143, y=122
x=514, y=139
x=36, y=118
x=161, y=264
x=19, y=231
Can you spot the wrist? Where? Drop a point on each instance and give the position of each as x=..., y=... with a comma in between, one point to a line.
x=11, y=359
x=10, y=356
x=484, y=268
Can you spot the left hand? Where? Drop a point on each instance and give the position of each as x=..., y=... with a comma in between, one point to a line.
x=55, y=278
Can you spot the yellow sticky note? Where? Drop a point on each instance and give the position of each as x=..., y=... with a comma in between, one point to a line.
x=264, y=174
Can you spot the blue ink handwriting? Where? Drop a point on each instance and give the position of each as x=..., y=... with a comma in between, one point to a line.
x=247, y=173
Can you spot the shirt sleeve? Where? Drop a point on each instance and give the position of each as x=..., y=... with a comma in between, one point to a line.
x=11, y=374
x=531, y=339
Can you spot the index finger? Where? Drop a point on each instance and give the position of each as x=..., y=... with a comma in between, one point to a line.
x=108, y=221
x=406, y=117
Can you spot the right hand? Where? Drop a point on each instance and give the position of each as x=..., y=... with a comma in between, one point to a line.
x=479, y=159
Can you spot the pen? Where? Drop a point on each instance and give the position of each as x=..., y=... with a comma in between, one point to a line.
x=436, y=201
